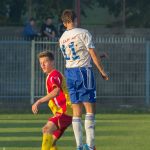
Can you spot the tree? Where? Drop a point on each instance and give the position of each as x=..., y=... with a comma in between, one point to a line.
x=137, y=12
x=17, y=7
x=12, y=10
x=44, y=8
x=4, y=11
x=55, y=7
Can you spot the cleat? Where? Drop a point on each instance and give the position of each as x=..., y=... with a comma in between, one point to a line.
x=80, y=148
x=86, y=147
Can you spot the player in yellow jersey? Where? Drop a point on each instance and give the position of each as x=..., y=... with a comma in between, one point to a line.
x=59, y=102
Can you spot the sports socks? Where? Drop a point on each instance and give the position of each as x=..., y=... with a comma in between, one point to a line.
x=77, y=128
x=90, y=130
x=47, y=142
x=54, y=148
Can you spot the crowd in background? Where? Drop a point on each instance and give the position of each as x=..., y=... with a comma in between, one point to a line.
x=47, y=30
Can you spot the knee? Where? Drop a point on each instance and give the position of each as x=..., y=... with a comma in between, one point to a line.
x=77, y=113
x=45, y=130
x=77, y=110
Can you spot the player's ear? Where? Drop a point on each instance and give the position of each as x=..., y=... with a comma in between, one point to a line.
x=65, y=24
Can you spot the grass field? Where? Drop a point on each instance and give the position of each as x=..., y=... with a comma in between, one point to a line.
x=113, y=132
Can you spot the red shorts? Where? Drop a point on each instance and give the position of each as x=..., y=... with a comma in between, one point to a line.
x=62, y=121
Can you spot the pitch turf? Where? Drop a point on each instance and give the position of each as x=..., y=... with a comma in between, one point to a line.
x=113, y=132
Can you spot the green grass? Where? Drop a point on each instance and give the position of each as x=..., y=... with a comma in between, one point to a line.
x=113, y=132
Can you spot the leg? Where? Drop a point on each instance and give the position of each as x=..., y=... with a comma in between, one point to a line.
x=63, y=121
x=76, y=123
x=48, y=129
x=77, y=109
x=54, y=140
x=89, y=107
x=90, y=124
x=54, y=144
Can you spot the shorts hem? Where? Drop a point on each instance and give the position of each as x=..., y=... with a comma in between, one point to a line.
x=83, y=102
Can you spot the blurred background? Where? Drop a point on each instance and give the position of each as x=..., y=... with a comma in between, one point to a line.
x=120, y=30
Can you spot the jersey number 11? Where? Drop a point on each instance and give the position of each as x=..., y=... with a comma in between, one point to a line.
x=72, y=49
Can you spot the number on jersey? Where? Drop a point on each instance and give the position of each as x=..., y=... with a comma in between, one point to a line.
x=72, y=49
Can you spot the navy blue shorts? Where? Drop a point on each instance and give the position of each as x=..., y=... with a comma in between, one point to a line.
x=81, y=85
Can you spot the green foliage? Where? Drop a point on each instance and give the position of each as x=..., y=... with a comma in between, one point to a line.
x=40, y=8
x=3, y=11
x=16, y=10
x=44, y=8
x=54, y=8
x=86, y=4
x=3, y=7
x=137, y=11
x=11, y=11
x=114, y=7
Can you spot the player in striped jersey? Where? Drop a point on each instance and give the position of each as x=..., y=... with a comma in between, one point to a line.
x=58, y=100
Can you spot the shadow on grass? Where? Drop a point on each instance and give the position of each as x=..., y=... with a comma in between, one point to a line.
x=31, y=143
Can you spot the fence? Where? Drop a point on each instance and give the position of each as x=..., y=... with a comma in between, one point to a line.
x=22, y=82
x=129, y=69
x=15, y=56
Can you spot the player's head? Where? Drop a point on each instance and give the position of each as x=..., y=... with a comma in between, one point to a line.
x=49, y=20
x=69, y=17
x=32, y=21
x=46, y=60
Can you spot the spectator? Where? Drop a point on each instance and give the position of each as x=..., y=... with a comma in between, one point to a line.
x=48, y=29
x=30, y=30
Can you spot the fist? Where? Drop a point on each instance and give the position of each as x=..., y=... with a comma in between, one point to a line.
x=105, y=76
x=35, y=108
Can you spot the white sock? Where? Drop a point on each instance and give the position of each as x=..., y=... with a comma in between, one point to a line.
x=77, y=128
x=90, y=129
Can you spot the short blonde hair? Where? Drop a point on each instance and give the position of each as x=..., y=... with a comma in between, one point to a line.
x=68, y=16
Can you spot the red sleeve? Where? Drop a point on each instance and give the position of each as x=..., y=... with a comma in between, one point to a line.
x=55, y=81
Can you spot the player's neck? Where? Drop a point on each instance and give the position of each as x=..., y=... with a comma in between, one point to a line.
x=70, y=26
x=52, y=69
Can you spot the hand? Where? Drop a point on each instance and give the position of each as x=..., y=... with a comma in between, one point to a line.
x=35, y=107
x=39, y=34
x=104, y=75
x=104, y=55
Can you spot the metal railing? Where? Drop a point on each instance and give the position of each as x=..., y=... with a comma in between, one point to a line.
x=21, y=80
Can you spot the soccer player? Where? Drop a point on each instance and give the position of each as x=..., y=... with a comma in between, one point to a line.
x=58, y=100
x=78, y=49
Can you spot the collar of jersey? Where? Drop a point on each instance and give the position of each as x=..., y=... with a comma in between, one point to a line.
x=69, y=29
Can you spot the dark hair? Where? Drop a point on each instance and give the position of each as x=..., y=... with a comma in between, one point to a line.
x=68, y=16
x=49, y=17
x=46, y=54
x=32, y=19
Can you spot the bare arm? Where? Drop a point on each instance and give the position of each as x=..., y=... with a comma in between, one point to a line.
x=46, y=98
x=98, y=64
